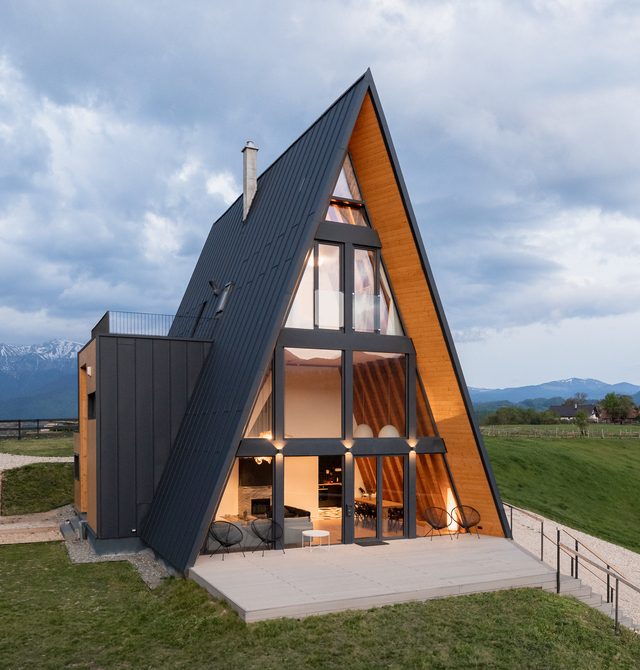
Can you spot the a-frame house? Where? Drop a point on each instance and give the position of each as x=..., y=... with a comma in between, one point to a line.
x=309, y=376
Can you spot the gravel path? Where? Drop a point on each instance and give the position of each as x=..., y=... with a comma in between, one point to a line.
x=526, y=532
x=10, y=461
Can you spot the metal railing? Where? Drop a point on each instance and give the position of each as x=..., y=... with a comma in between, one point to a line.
x=580, y=556
x=158, y=325
x=18, y=429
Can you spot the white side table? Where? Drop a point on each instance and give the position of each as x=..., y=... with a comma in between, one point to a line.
x=311, y=534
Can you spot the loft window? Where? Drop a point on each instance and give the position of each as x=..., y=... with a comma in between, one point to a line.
x=261, y=419
x=346, y=205
x=319, y=301
x=374, y=310
x=223, y=299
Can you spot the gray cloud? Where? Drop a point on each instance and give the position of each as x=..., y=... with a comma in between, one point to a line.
x=516, y=125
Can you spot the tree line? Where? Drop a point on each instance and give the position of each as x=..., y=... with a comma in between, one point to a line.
x=618, y=408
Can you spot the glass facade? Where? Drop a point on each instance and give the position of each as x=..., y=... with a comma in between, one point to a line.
x=433, y=489
x=312, y=497
x=312, y=393
x=350, y=214
x=364, y=290
x=329, y=303
x=365, y=497
x=389, y=319
x=301, y=312
x=347, y=184
x=261, y=420
x=393, y=496
x=424, y=423
x=379, y=396
x=247, y=497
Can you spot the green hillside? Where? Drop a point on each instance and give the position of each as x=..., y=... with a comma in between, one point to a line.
x=588, y=484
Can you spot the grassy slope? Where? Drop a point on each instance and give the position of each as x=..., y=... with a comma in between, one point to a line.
x=60, y=445
x=38, y=487
x=591, y=485
x=53, y=614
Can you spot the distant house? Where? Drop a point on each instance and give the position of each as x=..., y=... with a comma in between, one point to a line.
x=568, y=412
x=631, y=416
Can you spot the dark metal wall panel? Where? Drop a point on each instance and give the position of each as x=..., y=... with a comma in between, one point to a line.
x=161, y=401
x=263, y=256
x=143, y=380
x=126, y=446
x=144, y=421
x=108, y=437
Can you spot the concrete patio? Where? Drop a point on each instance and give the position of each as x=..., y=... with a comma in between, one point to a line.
x=304, y=582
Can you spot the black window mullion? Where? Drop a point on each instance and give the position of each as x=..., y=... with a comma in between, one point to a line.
x=377, y=298
x=347, y=389
x=410, y=393
x=278, y=394
x=316, y=285
x=348, y=287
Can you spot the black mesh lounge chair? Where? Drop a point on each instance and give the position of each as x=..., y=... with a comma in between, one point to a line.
x=268, y=532
x=438, y=519
x=466, y=517
x=225, y=535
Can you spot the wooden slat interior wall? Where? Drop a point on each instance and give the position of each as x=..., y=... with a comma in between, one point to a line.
x=402, y=260
x=87, y=435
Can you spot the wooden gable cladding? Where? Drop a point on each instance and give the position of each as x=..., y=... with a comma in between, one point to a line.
x=416, y=303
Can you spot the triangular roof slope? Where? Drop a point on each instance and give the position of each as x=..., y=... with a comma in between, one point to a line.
x=263, y=257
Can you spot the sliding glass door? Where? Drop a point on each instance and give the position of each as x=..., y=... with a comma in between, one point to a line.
x=379, y=497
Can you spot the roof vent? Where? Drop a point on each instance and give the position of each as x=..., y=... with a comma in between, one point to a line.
x=249, y=177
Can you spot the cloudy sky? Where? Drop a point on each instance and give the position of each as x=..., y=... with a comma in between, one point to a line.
x=517, y=125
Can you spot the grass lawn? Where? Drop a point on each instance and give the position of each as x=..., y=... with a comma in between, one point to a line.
x=60, y=445
x=38, y=487
x=589, y=484
x=54, y=614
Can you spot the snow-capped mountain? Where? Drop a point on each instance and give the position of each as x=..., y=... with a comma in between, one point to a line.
x=55, y=354
x=38, y=380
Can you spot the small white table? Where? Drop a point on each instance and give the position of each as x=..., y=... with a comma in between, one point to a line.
x=311, y=534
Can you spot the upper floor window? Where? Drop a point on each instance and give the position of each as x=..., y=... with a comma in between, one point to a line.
x=319, y=298
x=346, y=205
x=374, y=309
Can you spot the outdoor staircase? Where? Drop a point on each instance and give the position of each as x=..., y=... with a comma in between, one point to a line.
x=575, y=588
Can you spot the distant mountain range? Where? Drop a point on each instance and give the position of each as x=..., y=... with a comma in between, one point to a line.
x=559, y=389
x=38, y=380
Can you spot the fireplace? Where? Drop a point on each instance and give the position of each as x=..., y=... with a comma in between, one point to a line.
x=260, y=506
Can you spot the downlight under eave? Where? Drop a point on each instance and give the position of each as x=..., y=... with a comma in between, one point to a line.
x=319, y=300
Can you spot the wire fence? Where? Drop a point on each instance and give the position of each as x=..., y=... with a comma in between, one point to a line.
x=562, y=432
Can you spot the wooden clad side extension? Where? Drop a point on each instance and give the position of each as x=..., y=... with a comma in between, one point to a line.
x=415, y=301
x=85, y=498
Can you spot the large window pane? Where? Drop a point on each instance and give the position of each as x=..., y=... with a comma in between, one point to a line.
x=364, y=287
x=313, y=393
x=353, y=215
x=389, y=319
x=347, y=185
x=393, y=496
x=312, y=497
x=301, y=312
x=424, y=424
x=247, y=497
x=433, y=489
x=261, y=420
x=365, y=513
x=329, y=296
x=379, y=394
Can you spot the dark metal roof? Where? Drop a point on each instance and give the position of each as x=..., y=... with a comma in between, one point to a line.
x=262, y=257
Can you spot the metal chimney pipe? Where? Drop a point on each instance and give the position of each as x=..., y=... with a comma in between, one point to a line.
x=249, y=176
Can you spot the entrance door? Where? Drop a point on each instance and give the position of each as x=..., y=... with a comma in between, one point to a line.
x=379, y=497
